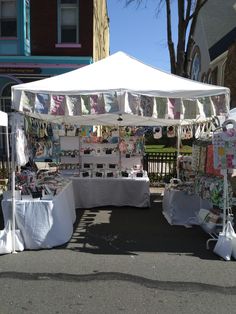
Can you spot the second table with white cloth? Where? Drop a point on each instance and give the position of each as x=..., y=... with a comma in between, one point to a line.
x=95, y=192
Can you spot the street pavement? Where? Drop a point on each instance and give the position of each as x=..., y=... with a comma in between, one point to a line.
x=121, y=260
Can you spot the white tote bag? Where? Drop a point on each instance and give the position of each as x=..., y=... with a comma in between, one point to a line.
x=6, y=240
x=224, y=245
x=233, y=237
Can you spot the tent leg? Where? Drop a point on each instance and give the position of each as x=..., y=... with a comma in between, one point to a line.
x=13, y=186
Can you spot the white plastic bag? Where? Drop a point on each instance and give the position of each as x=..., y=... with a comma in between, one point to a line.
x=233, y=236
x=6, y=240
x=224, y=245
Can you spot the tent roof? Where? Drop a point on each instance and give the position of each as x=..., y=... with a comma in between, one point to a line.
x=121, y=72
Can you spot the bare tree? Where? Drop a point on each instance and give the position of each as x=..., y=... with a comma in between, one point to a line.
x=180, y=53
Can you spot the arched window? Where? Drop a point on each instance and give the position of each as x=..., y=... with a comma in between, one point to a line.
x=6, y=98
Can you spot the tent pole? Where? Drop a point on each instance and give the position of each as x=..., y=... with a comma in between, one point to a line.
x=8, y=151
x=225, y=197
x=178, y=147
x=13, y=133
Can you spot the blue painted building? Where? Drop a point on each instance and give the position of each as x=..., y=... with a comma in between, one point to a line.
x=39, y=39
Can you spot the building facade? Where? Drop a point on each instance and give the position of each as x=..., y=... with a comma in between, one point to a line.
x=39, y=39
x=213, y=57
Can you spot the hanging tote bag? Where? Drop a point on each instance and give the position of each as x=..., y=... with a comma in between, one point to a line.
x=224, y=244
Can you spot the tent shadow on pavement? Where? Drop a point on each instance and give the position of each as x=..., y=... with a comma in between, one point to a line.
x=129, y=231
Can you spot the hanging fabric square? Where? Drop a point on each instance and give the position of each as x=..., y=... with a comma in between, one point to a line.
x=97, y=104
x=201, y=112
x=134, y=103
x=170, y=108
x=206, y=107
x=189, y=109
x=111, y=102
x=146, y=106
x=85, y=104
x=157, y=132
x=42, y=103
x=220, y=105
x=178, y=112
x=173, y=108
x=57, y=105
x=161, y=107
x=27, y=101
x=73, y=105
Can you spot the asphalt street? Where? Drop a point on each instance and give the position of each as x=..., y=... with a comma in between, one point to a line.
x=121, y=260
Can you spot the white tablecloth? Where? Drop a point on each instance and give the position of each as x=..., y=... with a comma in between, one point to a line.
x=180, y=208
x=44, y=223
x=95, y=192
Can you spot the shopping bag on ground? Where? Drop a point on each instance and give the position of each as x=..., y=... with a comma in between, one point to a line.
x=224, y=246
x=233, y=238
x=6, y=240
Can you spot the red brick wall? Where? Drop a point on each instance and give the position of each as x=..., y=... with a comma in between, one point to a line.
x=44, y=29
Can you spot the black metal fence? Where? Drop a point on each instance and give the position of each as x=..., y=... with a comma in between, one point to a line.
x=161, y=166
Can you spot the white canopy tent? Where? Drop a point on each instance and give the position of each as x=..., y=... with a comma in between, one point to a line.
x=121, y=80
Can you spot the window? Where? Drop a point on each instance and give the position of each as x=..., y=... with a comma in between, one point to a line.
x=8, y=18
x=68, y=21
x=196, y=64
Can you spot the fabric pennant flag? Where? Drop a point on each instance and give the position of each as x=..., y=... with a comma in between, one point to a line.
x=146, y=106
x=191, y=110
x=57, y=105
x=170, y=108
x=42, y=103
x=27, y=101
x=134, y=103
x=85, y=104
x=73, y=105
x=111, y=102
x=207, y=106
x=161, y=107
x=97, y=104
x=220, y=106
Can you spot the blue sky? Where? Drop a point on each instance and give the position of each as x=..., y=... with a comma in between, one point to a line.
x=139, y=32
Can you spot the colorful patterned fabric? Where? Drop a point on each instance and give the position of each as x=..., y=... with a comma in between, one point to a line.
x=57, y=105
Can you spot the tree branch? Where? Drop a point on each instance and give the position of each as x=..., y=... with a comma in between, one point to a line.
x=169, y=38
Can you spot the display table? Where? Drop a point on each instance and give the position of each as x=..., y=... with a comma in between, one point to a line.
x=180, y=208
x=44, y=223
x=96, y=192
